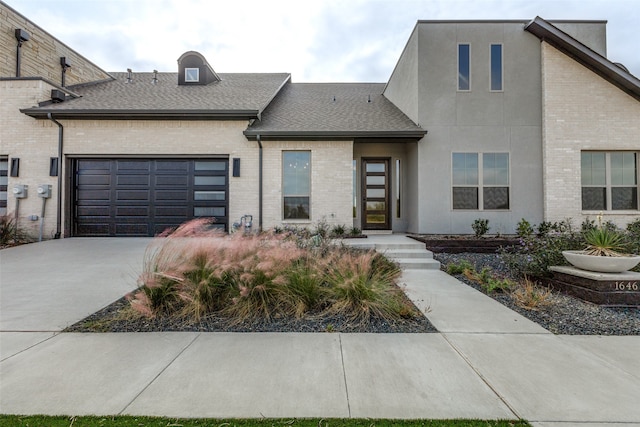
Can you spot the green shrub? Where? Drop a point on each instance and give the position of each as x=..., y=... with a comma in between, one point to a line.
x=11, y=233
x=338, y=230
x=355, y=231
x=459, y=268
x=524, y=228
x=536, y=253
x=480, y=227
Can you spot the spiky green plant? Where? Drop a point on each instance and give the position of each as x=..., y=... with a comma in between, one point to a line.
x=604, y=241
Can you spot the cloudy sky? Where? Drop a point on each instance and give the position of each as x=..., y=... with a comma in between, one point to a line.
x=316, y=41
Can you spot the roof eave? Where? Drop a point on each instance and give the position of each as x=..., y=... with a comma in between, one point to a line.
x=402, y=134
x=547, y=32
x=90, y=114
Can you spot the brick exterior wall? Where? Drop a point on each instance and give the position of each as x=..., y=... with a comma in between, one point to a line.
x=33, y=142
x=40, y=56
x=331, y=182
x=581, y=111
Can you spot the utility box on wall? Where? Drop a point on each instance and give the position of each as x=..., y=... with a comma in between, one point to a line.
x=20, y=191
x=44, y=191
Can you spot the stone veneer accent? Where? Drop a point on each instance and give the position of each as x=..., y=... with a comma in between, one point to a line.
x=41, y=54
x=581, y=111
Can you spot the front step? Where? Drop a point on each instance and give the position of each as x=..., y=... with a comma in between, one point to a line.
x=417, y=263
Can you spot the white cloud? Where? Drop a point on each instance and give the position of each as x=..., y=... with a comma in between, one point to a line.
x=322, y=40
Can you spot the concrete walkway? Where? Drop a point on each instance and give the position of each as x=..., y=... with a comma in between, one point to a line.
x=485, y=362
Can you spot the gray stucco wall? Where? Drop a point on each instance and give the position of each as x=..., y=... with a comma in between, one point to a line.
x=476, y=121
x=401, y=88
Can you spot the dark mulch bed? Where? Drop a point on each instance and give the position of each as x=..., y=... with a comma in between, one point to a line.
x=109, y=319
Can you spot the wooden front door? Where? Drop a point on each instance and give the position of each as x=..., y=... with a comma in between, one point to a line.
x=376, y=206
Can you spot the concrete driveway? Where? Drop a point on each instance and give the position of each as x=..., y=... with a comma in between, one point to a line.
x=50, y=285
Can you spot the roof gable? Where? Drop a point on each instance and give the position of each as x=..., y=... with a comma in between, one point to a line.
x=571, y=47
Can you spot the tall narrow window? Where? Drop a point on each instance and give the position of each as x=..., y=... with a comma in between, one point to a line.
x=609, y=180
x=496, y=67
x=465, y=181
x=4, y=180
x=355, y=190
x=296, y=184
x=495, y=180
x=398, y=188
x=464, y=67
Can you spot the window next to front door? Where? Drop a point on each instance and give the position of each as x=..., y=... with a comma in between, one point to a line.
x=296, y=184
x=609, y=180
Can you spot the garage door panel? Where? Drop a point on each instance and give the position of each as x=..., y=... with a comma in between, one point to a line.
x=87, y=195
x=132, y=211
x=94, y=180
x=172, y=211
x=139, y=195
x=136, y=167
x=133, y=180
x=172, y=166
x=172, y=180
x=142, y=197
x=93, y=211
x=136, y=229
x=172, y=195
x=87, y=229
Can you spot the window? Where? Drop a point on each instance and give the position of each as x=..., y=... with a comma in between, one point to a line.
x=480, y=181
x=296, y=184
x=464, y=67
x=609, y=180
x=355, y=190
x=4, y=181
x=398, y=188
x=496, y=67
x=191, y=74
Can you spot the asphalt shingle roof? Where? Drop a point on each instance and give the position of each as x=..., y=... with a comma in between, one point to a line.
x=248, y=93
x=333, y=109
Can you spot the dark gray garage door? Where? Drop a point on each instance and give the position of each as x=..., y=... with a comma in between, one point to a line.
x=144, y=197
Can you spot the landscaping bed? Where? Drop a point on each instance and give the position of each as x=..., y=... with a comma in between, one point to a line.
x=561, y=314
x=460, y=244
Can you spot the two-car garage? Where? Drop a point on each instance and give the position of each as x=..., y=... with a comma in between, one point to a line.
x=144, y=197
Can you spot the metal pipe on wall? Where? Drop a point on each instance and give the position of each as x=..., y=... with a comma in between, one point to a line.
x=60, y=169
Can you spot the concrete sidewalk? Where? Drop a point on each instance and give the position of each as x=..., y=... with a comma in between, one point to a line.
x=485, y=362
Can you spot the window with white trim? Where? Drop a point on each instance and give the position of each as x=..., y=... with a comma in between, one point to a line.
x=609, y=180
x=296, y=184
x=192, y=75
x=480, y=181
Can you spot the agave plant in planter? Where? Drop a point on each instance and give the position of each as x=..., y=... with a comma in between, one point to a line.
x=605, y=252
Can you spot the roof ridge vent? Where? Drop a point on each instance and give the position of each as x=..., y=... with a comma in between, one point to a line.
x=154, y=80
x=129, y=75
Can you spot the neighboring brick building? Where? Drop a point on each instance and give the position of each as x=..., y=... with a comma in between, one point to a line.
x=480, y=119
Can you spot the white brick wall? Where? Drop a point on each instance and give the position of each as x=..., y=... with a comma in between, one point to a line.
x=331, y=182
x=581, y=111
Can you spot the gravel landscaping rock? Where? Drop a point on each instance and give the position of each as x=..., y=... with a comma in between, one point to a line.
x=109, y=319
x=564, y=314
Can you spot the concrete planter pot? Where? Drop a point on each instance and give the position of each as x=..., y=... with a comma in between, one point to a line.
x=601, y=264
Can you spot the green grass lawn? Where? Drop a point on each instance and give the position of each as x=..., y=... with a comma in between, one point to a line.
x=121, y=421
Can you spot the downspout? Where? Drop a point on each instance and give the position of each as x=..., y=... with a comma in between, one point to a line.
x=59, y=213
x=259, y=183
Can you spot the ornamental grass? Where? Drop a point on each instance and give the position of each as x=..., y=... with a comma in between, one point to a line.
x=196, y=271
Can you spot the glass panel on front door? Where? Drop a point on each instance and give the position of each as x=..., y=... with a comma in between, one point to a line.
x=375, y=194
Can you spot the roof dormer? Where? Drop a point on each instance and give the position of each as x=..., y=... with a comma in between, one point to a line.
x=193, y=69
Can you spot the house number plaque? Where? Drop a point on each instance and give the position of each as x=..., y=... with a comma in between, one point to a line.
x=627, y=286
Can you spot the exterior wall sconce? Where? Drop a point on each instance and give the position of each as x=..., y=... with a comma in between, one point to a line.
x=15, y=167
x=236, y=167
